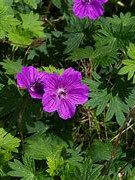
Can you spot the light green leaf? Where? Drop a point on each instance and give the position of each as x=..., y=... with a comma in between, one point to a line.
x=8, y=142
x=52, y=69
x=31, y=23
x=11, y=67
x=7, y=19
x=129, y=64
x=131, y=51
x=18, y=37
x=32, y=3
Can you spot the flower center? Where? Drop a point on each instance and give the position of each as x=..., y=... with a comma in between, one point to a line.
x=86, y=2
x=37, y=87
x=61, y=93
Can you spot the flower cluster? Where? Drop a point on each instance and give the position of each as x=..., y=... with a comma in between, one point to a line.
x=92, y=9
x=61, y=93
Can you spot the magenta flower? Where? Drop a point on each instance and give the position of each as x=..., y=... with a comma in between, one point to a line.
x=32, y=80
x=64, y=92
x=92, y=9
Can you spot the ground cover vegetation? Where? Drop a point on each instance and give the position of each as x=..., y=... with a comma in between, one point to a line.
x=67, y=90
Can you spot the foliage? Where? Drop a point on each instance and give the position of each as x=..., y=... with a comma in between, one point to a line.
x=105, y=154
x=55, y=153
x=8, y=145
x=25, y=170
x=11, y=67
x=98, y=143
x=106, y=101
x=20, y=31
x=32, y=3
x=129, y=67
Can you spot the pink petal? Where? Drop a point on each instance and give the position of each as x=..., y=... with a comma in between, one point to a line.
x=42, y=75
x=66, y=109
x=49, y=102
x=22, y=81
x=80, y=10
x=92, y=10
x=51, y=82
x=27, y=76
x=70, y=77
x=95, y=10
x=102, y=1
x=30, y=73
x=78, y=94
x=71, y=71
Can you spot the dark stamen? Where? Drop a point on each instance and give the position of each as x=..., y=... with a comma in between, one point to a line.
x=37, y=87
x=61, y=93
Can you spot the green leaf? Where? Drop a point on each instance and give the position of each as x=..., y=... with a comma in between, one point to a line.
x=75, y=159
x=57, y=3
x=29, y=29
x=52, y=69
x=131, y=51
x=117, y=108
x=32, y=54
x=100, y=151
x=19, y=37
x=89, y=171
x=2, y=173
x=55, y=163
x=130, y=100
x=56, y=153
x=7, y=19
x=57, y=34
x=25, y=170
x=129, y=64
x=131, y=175
x=73, y=41
x=32, y=3
x=104, y=56
x=81, y=53
x=99, y=100
x=8, y=142
x=39, y=128
x=11, y=67
x=103, y=100
x=48, y=146
x=115, y=33
x=31, y=23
